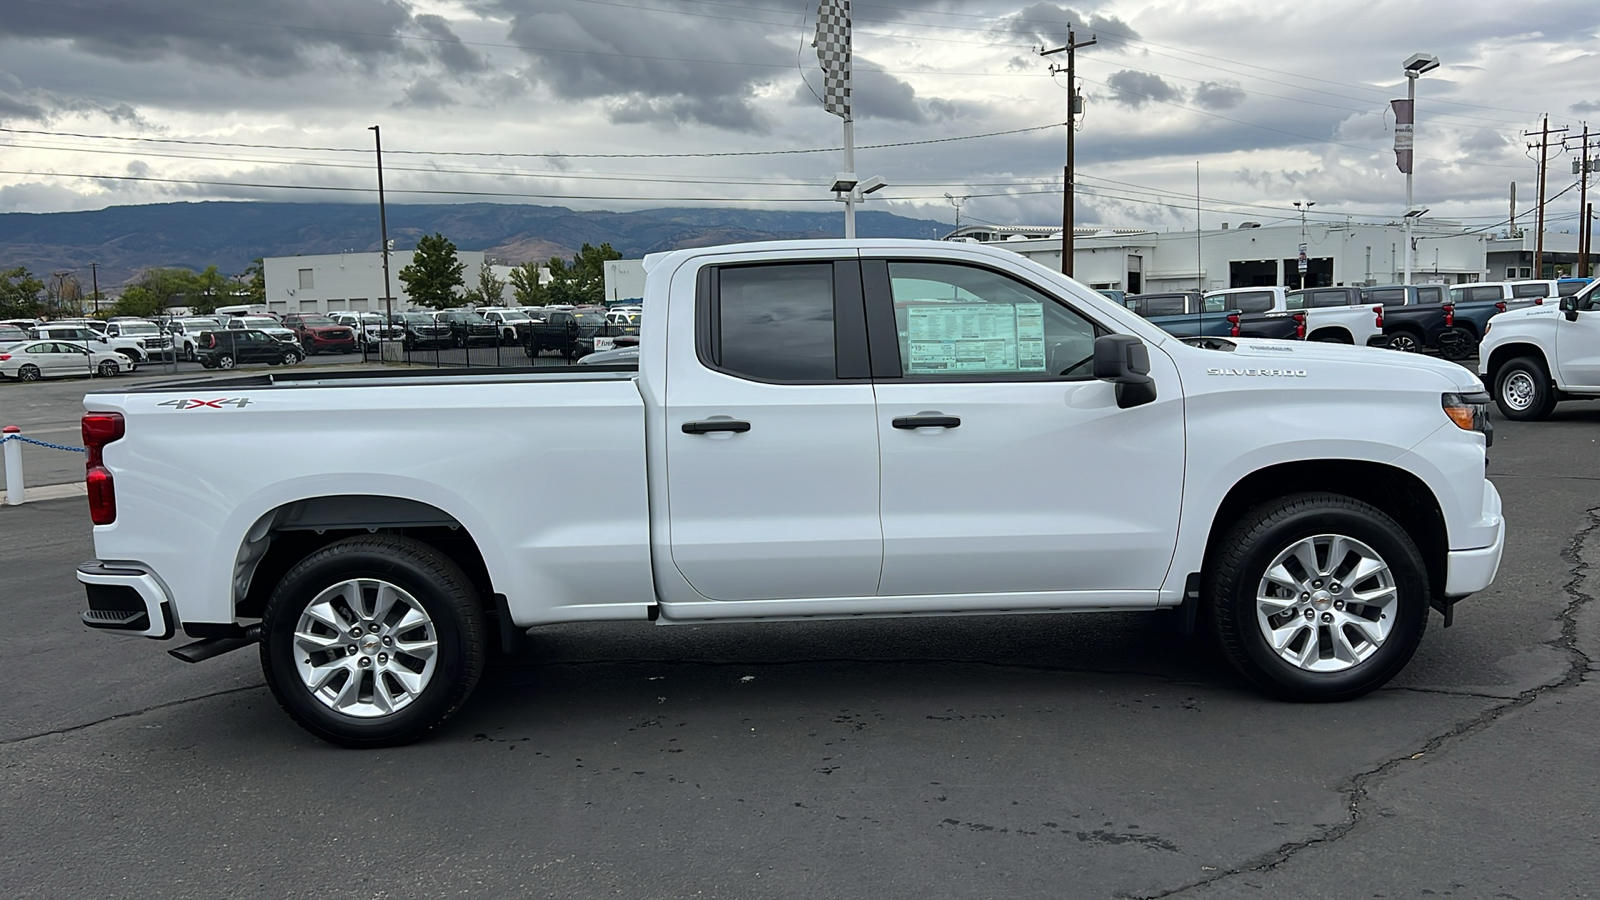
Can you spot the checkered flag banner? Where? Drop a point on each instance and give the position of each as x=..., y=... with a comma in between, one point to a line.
x=833, y=54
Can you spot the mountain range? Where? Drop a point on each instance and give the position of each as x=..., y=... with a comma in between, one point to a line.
x=122, y=241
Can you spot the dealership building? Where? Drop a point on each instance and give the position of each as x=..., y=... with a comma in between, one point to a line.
x=317, y=284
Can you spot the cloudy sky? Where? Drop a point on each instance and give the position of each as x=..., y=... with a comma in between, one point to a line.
x=110, y=102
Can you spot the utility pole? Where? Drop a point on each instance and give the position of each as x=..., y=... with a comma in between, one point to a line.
x=1303, y=262
x=1074, y=105
x=1544, y=164
x=1583, y=167
x=956, y=202
x=94, y=275
x=383, y=231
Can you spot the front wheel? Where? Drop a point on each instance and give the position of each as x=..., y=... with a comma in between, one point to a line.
x=373, y=641
x=1522, y=390
x=1318, y=597
x=291, y=358
x=109, y=368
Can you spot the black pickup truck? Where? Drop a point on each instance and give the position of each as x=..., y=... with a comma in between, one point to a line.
x=571, y=333
x=1258, y=316
x=1184, y=314
x=1417, y=317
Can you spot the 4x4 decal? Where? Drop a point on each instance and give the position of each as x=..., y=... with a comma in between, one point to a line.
x=235, y=402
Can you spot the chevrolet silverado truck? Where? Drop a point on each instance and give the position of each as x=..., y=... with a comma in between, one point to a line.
x=1416, y=317
x=816, y=430
x=1184, y=314
x=1537, y=356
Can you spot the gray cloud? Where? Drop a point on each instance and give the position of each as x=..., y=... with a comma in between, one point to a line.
x=1585, y=106
x=1047, y=23
x=425, y=93
x=245, y=35
x=456, y=56
x=876, y=94
x=1218, y=95
x=717, y=112
x=1135, y=89
x=15, y=108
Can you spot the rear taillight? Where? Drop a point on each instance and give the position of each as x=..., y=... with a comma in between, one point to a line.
x=1233, y=323
x=1378, y=311
x=4, y=357
x=1500, y=307
x=1449, y=315
x=1299, y=326
x=100, y=429
x=1538, y=301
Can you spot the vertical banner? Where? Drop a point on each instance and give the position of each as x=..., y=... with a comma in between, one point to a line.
x=1404, y=130
x=833, y=55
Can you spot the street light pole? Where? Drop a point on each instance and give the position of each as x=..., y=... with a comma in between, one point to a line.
x=1415, y=65
x=383, y=231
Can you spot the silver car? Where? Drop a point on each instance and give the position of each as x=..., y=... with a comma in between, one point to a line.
x=33, y=360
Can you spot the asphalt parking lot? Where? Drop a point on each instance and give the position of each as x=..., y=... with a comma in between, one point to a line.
x=1035, y=756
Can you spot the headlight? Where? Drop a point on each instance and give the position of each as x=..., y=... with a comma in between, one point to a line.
x=1470, y=412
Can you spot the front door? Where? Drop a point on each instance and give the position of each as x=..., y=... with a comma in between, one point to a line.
x=1578, y=343
x=1007, y=468
x=771, y=442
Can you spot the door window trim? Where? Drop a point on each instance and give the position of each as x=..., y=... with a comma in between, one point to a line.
x=851, y=362
x=883, y=333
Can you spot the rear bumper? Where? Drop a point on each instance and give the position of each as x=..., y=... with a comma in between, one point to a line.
x=126, y=598
x=1470, y=571
x=1378, y=340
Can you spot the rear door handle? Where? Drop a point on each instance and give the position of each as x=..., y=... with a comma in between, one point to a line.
x=927, y=422
x=710, y=425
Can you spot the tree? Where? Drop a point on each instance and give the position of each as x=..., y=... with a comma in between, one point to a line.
x=19, y=294
x=583, y=282
x=434, y=274
x=525, y=285
x=255, y=286
x=138, y=300
x=490, y=291
x=209, y=290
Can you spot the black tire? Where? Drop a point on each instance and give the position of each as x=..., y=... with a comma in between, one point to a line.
x=1522, y=390
x=224, y=361
x=1405, y=342
x=446, y=596
x=188, y=353
x=292, y=357
x=1242, y=559
x=29, y=372
x=460, y=341
x=109, y=368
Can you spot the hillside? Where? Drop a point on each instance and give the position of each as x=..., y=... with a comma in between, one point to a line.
x=124, y=240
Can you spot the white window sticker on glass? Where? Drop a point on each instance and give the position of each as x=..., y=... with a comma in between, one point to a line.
x=978, y=337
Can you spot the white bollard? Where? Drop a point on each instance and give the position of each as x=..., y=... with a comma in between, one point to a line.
x=13, y=450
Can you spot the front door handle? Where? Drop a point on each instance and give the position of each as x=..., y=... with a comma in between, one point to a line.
x=711, y=425
x=927, y=421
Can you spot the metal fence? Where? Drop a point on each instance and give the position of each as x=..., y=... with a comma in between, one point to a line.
x=544, y=347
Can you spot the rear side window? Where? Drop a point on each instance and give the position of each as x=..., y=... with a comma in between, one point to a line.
x=1533, y=289
x=1323, y=299
x=1433, y=294
x=774, y=322
x=1163, y=306
x=1250, y=301
x=1485, y=292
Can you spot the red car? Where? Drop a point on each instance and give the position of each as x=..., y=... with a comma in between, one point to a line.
x=319, y=333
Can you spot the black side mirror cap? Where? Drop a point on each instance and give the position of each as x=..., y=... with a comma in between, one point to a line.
x=1124, y=360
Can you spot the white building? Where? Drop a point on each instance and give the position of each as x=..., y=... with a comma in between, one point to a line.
x=624, y=280
x=316, y=284
x=1251, y=255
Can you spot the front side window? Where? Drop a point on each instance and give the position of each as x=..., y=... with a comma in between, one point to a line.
x=956, y=321
x=1164, y=306
x=1532, y=289
x=775, y=322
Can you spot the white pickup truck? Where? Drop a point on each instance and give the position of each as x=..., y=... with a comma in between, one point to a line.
x=818, y=429
x=1538, y=355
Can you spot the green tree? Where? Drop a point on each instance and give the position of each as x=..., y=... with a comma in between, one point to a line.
x=19, y=293
x=138, y=300
x=583, y=281
x=255, y=285
x=209, y=290
x=434, y=274
x=491, y=291
x=525, y=286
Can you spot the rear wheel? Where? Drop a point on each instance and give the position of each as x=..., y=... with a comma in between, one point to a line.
x=29, y=372
x=225, y=361
x=1405, y=342
x=1522, y=390
x=373, y=641
x=1318, y=597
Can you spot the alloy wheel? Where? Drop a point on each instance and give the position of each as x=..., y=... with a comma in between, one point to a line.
x=365, y=648
x=1326, y=603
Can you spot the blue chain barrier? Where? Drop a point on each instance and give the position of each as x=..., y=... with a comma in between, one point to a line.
x=46, y=444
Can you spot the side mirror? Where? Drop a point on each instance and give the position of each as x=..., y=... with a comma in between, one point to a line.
x=1569, y=307
x=1124, y=360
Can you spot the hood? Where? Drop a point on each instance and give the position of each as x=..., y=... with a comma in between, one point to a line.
x=1263, y=353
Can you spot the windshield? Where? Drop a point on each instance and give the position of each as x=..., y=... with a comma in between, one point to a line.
x=372, y=319
x=316, y=320
x=413, y=318
x=139, y=328
x=590, y=319
x=259, y=322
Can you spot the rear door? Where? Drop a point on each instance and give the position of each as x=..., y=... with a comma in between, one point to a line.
x=1007, y=467
x=771, y=438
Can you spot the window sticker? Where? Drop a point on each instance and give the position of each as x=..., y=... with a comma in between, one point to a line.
x=987, y=337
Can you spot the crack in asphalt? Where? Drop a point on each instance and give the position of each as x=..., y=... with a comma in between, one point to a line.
x=1355, y=790
x=6, y=742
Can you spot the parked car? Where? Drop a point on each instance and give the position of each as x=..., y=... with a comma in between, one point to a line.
x=1414, y=319
x=272, y=327
x=369, y=327
x=507, y=321
x=573, y=333
x=1471, y=306
x=10, y=334
x=788, y=451
x=32, y=360
x=619, y=356
x=1186, y=314
x=146, y=335
x=186, y=331
x=1261, y=312
x=317, y=333
x=624, y=315
x=131, y=349
x=420, y=329
x=229, y=347
x=1535, y=357
x=467, y=327
x=1336, y=315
